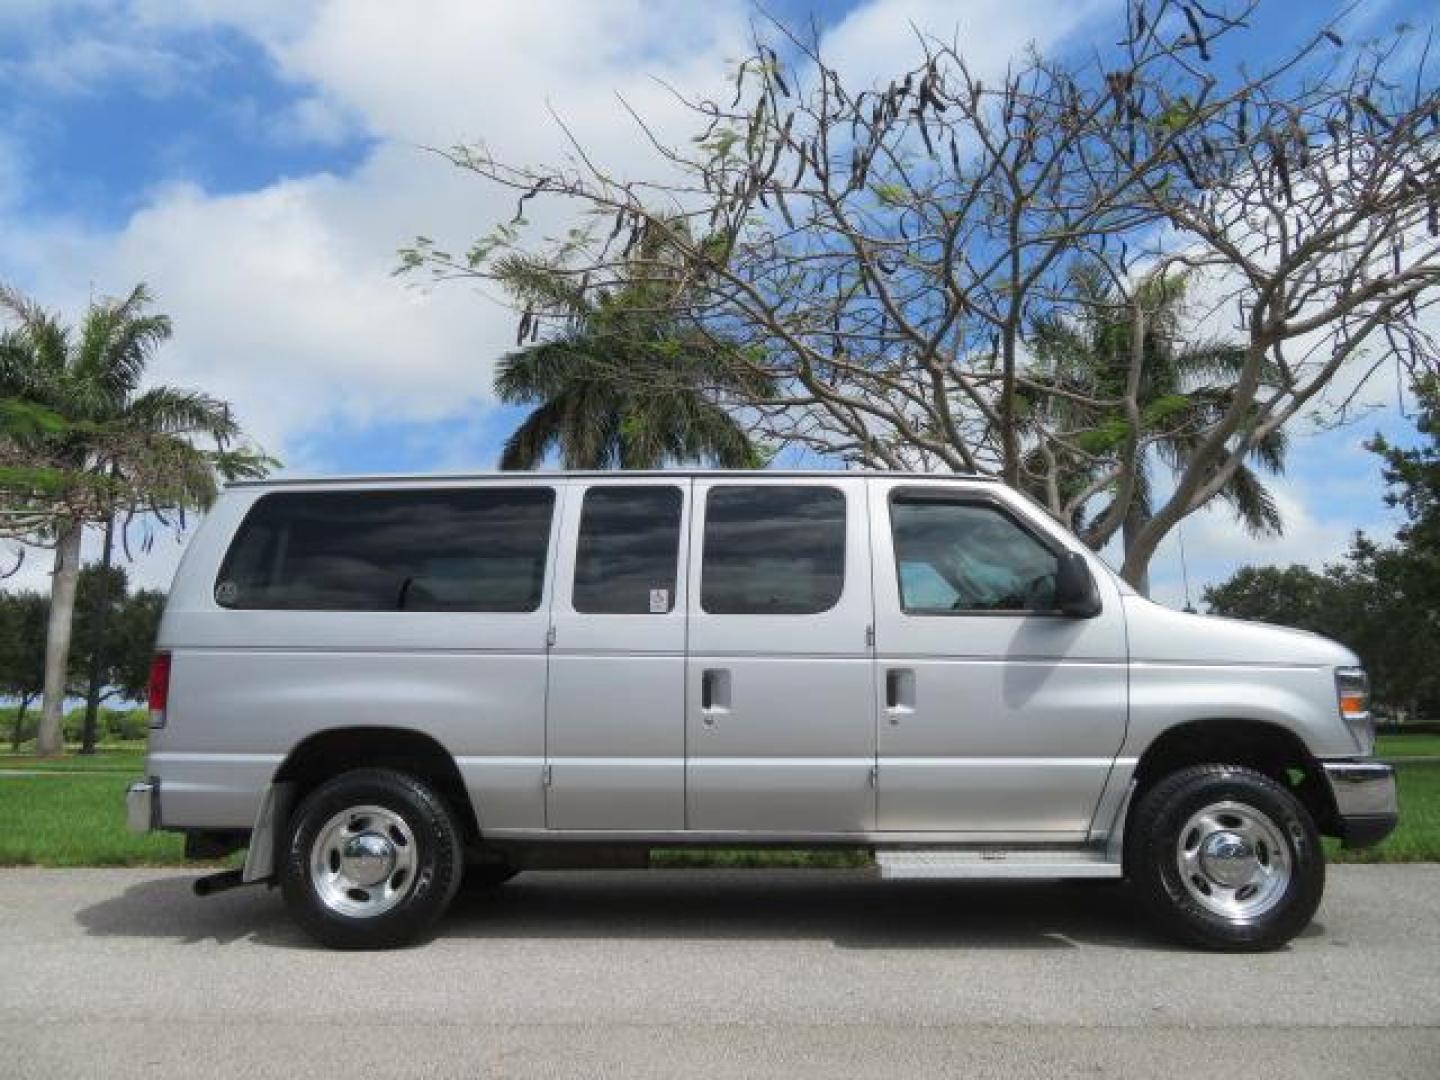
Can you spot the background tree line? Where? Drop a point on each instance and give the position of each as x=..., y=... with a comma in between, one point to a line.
x=1383, y=600
x=86, y=444
x=119, y=643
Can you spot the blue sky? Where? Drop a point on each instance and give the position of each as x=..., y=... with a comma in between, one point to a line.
x=258, y=162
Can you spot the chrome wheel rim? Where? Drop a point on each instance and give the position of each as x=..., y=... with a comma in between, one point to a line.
x=1233, y=860
x=362, y=862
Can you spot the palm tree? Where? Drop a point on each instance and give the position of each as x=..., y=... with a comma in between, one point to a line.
x=630, y=382
x=83, y=442
x=1185, y=386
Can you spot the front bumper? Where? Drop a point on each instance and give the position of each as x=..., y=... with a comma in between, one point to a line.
x=1365, y=800
x=142, y=805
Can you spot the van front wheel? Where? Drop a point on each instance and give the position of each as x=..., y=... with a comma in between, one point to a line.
x=1226, y=858
x=373, y=860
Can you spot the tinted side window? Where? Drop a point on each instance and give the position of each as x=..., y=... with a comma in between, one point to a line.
x=470, y=549
x=627, y=551
x=773, y=550
x=958, y=556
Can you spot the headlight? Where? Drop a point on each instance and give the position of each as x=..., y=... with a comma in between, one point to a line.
x=1352, y=691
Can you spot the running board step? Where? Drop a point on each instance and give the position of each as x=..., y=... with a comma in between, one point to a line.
x=995, y=863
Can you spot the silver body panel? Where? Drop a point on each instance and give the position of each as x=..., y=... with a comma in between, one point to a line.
x=1020, y=729
x=614, y=740
x=247, y=687
x=1015, y=718
x=793, y=747
x=1194, y=667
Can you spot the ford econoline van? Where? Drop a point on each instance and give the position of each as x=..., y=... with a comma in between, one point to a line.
x=379, y=686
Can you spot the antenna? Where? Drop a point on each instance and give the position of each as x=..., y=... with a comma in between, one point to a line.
x=1184, y=567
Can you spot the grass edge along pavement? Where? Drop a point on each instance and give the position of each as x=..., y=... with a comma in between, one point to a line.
x=69, y=812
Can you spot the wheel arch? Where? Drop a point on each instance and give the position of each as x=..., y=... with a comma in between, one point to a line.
x=1267, y=747
x=325, y=754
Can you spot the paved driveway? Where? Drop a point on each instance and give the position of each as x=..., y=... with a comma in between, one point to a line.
x=700, y=973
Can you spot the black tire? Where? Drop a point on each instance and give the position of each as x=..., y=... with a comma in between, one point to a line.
x=1153, y=859
x=438, y=860
x=489, y=875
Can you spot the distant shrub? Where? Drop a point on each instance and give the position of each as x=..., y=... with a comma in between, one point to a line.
x=7, y=724
x=127, y=724
x=74, y=724
x=109, y=724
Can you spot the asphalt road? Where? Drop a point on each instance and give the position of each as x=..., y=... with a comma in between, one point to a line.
x=703, y=973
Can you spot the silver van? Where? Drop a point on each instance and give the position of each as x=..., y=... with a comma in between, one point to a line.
x=380, y=685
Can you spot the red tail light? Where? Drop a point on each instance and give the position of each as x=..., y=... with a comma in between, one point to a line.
x=159, y=696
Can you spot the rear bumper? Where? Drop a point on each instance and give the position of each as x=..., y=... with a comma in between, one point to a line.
x=142, y=805
x=1366, y=804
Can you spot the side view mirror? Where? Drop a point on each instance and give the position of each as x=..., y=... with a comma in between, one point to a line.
x=1075, y=591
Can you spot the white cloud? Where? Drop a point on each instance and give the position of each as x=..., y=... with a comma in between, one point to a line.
x=78, y=67
x=878, y=40
x=283, y=298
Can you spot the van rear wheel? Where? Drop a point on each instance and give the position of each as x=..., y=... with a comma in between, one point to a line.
x=373, y=859
x=1225, y=858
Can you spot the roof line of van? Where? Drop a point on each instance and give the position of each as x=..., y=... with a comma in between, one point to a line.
x=392, y=478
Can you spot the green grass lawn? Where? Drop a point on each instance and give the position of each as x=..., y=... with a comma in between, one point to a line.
x=76, y=820
x=1398, y=746
x=127, y=758
x=76, y=817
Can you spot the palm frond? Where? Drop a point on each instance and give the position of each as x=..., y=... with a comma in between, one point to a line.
x=114, y=350
x=1209, y=360
x=175, y=411
x=1254, y=505
x=1269, y=451
x=110, y=446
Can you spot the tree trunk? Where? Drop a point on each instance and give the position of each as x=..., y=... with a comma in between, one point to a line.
x=17, y=736
x=51, y=738
x=97, y=653
x=1139, y=550
x=1135, y=519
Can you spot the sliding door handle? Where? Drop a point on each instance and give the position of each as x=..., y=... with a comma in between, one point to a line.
x=899, y=692
x=714, y=693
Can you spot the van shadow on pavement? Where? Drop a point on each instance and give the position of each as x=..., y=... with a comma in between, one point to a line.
x=848, y=908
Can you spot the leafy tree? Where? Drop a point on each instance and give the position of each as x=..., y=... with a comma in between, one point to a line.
x=1081, y=365
x=626, y=382
x=82, y=441
x=1413, y=476
x=1288, y=596
x=130, y=625
x=130, y=644
x=125, y=652
x=878, y=250
x=23, y=616
x=1381, y=600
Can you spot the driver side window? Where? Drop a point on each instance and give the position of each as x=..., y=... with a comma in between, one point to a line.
x=967, y=556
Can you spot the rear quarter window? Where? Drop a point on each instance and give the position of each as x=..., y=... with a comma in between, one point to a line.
x=462, y=549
